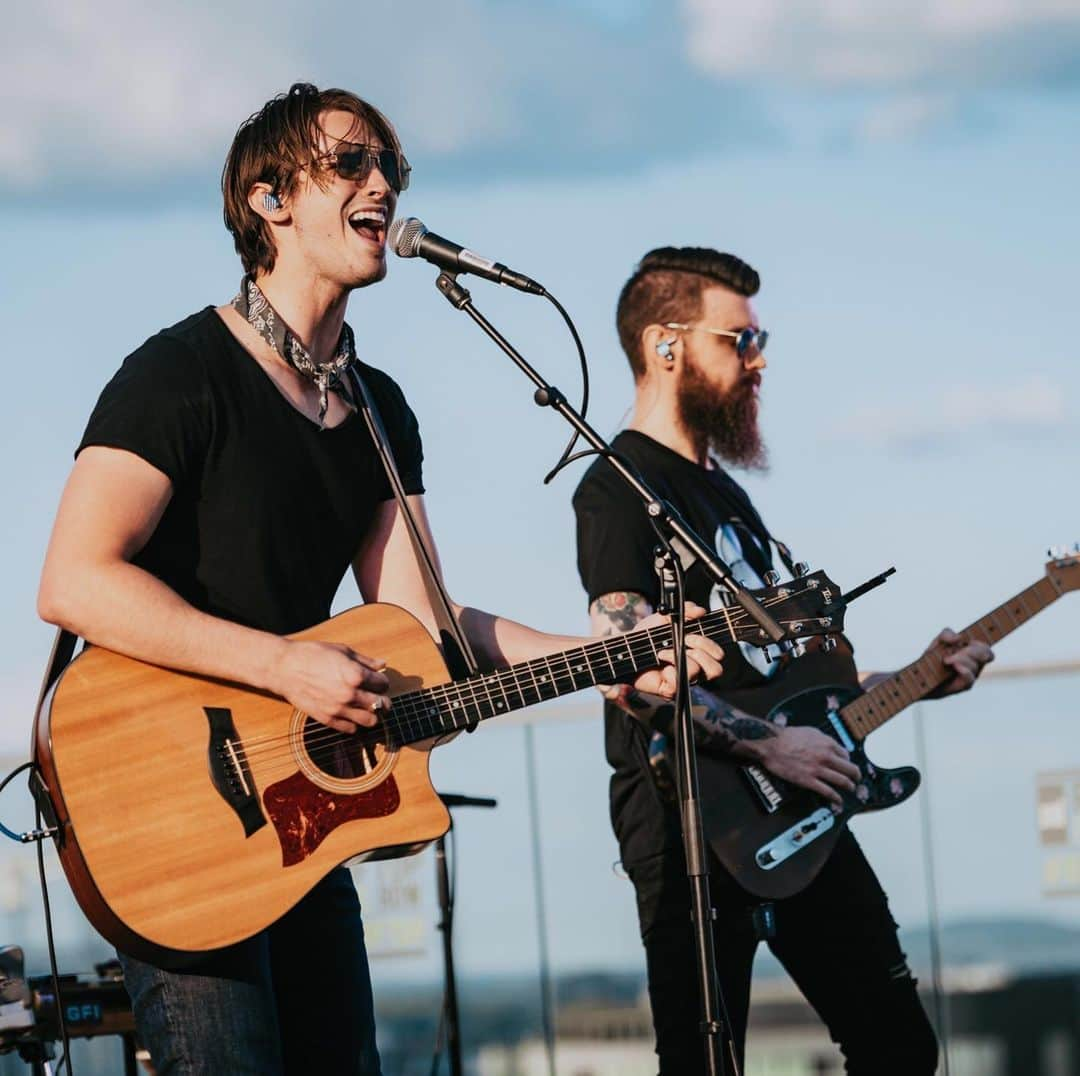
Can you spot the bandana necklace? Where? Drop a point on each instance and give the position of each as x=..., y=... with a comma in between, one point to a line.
x=255, y=308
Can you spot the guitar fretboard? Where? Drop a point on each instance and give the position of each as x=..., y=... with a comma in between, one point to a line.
x=459, y=704
x=436, y=711
x=917, y=680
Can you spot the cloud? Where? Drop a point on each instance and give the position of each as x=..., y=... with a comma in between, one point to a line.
x=119, y=94
x=142, y=98
x=139, y=98
x=962, y=44
x=1034, y=407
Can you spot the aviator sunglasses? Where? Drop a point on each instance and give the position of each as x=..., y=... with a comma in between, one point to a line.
x=355, y=161
x=744, y=339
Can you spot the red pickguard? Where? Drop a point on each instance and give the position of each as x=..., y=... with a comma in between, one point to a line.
x=304, y=815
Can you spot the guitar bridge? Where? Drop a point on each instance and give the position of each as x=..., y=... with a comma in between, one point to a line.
x=229, y=770
x=771, y=855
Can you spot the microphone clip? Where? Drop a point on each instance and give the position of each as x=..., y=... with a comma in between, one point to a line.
x=457, y=295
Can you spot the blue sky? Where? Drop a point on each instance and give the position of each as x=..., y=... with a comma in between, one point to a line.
x=904, y=181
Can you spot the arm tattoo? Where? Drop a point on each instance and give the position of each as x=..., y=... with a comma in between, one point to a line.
x=614, y=614
x=619, y=611
x=717, y=725
x=720, y=727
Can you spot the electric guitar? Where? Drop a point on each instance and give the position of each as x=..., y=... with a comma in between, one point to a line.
x=774, y=837
x=194, y=812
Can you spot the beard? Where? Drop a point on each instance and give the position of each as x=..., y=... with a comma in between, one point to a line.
x=727, y=425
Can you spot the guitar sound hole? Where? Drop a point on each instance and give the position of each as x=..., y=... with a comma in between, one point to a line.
x=342, y=755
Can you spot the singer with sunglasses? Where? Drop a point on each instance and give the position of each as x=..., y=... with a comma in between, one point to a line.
x=697, y=353
x=222, y=488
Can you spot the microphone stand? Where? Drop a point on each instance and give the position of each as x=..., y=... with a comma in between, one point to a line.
x=451, y=1014
x=678, y=539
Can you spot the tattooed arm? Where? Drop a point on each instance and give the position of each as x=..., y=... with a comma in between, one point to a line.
x=724, y=727
x=803, y=756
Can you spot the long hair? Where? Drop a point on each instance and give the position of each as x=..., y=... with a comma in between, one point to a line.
x=273, y=146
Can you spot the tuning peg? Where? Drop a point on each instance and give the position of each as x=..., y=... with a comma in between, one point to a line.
x=828, y=644
x=1056, y=552
x=772, y=577
x=801, y=568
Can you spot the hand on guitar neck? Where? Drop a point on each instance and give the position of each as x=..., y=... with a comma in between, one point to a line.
x=965, y=657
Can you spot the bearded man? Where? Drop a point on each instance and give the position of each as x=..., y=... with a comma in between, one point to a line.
x=696, y=350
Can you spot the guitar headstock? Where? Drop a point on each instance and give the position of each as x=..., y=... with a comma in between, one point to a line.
x=1063, y=567
x=804, y=606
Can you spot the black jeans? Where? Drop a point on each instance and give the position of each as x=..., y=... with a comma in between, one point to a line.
x=293, y=1000
x=836, y=939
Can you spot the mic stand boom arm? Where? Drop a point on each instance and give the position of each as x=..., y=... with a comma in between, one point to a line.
x=670, y=525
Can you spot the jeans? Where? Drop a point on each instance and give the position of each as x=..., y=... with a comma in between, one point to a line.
x=295, y=1000
x=836, y=939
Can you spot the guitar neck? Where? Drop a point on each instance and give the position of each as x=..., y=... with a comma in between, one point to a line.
x=915, y=681
x=459, y=704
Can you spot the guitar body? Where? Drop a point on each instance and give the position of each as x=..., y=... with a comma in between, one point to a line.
x=773, y=837
x=194, y=812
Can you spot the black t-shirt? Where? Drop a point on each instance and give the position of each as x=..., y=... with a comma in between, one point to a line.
x=267, y=511
x=615, y=553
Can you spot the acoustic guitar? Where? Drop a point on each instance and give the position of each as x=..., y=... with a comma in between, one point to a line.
x=194, y=812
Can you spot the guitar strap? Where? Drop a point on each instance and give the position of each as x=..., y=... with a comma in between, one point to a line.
x=743, y=509
x=63, y=650
x=458, y=654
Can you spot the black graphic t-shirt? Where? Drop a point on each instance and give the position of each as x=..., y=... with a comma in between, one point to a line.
x=268, y=511
x=615, y=544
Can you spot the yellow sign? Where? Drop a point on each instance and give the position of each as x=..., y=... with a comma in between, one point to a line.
x=397, y=897
x=1057, y=805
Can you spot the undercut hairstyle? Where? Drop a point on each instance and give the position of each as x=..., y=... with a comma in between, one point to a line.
x=668, y=285
x=274, y=145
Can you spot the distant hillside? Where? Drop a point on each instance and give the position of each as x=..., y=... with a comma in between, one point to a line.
x=1016, y=946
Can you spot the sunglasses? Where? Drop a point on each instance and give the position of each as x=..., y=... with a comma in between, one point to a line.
x=745, y=339
x=352, y=160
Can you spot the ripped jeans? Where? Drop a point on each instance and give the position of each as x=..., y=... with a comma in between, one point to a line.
x=836, y=939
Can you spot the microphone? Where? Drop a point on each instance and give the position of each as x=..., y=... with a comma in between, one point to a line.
x=410, y=239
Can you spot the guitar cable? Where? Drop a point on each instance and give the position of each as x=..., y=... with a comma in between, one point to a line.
x=65, y=1059
x=21, y=838
x=38, y=835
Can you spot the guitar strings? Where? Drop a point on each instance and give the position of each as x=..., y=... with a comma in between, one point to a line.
x=411, y=714
x=409, y=709
x=416, y=724
x=417, y=718
x=412, y=719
